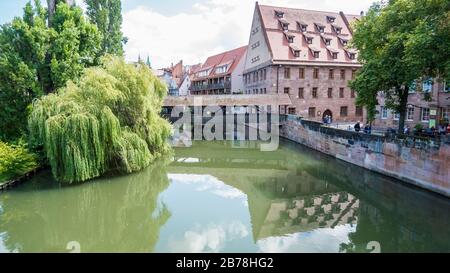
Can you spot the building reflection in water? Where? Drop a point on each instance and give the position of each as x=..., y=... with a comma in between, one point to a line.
x=295, y=190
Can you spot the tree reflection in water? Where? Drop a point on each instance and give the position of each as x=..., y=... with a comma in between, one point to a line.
x=103, y=216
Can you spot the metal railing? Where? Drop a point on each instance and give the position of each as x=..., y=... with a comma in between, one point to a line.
x=225, y=85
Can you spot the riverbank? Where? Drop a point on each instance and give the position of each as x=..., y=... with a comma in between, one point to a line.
x=7, y=183
x=414, y=161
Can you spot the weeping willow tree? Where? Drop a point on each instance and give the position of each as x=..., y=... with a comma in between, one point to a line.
x=107, y=122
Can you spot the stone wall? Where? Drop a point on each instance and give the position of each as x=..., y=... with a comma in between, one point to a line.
x=424, y=163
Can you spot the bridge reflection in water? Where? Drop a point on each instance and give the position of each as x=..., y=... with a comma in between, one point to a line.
x=295, y=200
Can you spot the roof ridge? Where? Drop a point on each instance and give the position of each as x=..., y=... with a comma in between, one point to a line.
x=321, y=11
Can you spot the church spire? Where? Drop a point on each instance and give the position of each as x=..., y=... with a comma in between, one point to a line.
x=149, y=64
x=139, y=58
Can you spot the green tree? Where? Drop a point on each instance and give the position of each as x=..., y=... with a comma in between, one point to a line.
x=400, y=41
x=36, y=59
x=106, y=14
x=108, y=121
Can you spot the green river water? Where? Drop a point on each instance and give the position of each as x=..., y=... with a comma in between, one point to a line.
x=228, y=197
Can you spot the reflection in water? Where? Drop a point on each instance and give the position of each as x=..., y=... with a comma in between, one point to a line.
x=103, y=216
x=228, y=197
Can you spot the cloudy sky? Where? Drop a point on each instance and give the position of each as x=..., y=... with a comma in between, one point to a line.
x=171, y=30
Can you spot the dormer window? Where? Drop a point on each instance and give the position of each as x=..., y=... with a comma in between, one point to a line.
x=279, y=14
x=284, y=24
x=221, y=69
x=320, y=28
x=302, y=26
x=331, y=19
x=295, y=50
x=203, y=73
x=326, y=40
x=333, y=52
x=337, y=29
x=315, y=52
x=309, y=39
x=290, y=37
x=351, y=54
x=343, y=41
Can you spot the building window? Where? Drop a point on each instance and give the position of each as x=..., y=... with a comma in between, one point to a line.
x=316, y=73
x=352, y=56
x=330, y=19
x=279, y=14
x=303, y=27
x=287, y=73
x=447, y=86
x=309, y=40
x=384, y=112
x=314, y=92
x=427, y=85
x=320, y=28
x=255, y=45
x=341, y=92
x=342, y=74
x=343, y=41
x=264, y=74
x=255, y=31
x=330, y=93
x=410, y=114
x=412, y=87
x=301, y=73
x=337, y=29
x=359, y=111
x=353, y=74
x=255, y=59
x=290, y=38
x=445, y=113
x=291, y=111
x=352, y=93
x=396, y=115
x=316, y=54
x=300, y=93
x=286, y=90
x=425, y=114
x=334, y=55
x=312, y=112
x=344, y=111
x=331, y=74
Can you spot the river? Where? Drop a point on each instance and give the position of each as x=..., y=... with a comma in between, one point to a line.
x=227, y=197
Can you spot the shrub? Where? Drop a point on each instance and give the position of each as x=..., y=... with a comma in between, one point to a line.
x=15, y=160
x=418, y=127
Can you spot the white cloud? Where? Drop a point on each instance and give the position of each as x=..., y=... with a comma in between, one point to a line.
x=210, y=239
x=208, y=183
x=213, y=26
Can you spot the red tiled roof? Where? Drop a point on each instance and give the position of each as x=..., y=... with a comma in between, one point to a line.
x=281, y=49
x=232, y=58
